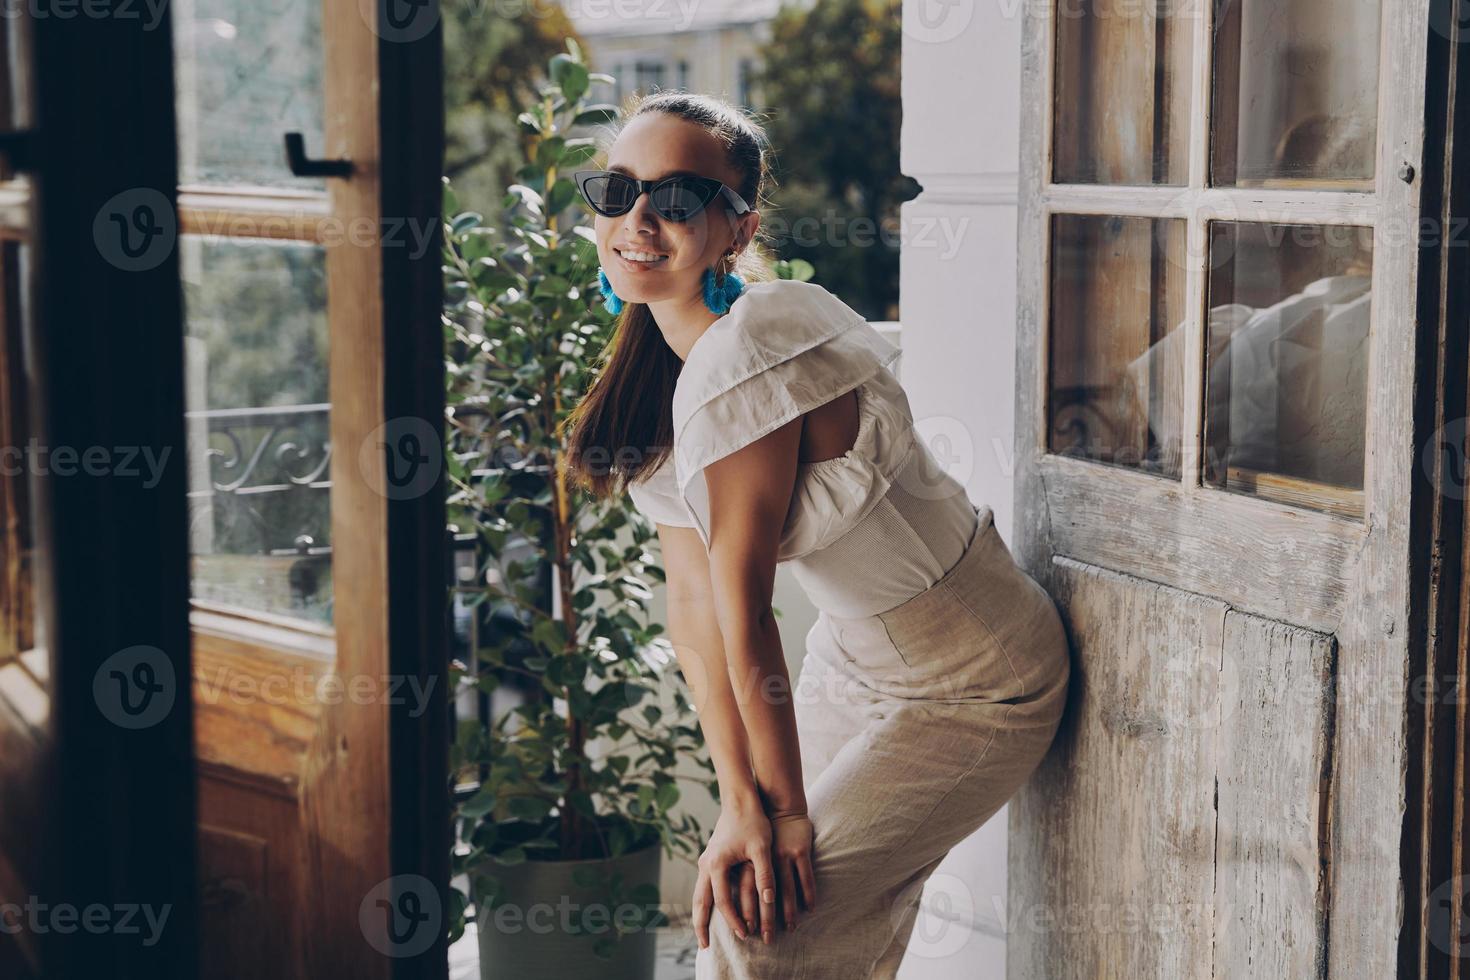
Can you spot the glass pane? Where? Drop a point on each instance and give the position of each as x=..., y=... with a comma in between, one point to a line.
x=246, y=72
x=256, y=357
x=1117, y=353
x=1286, y=393
x=1122, y=93
x=1295, y=92
x=19, y=615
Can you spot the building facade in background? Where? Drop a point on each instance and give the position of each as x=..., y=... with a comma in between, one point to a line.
x=711, y=47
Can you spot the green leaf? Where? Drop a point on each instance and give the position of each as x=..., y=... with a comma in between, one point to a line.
x=551, y=634
x=562, y=194
x=511, y=855
x=464, y=222
x=575, y=84
x=524, y=195
x=450, y=201
x=478, y=805
x=548, y=151
x=532, y=809
x=578, y=151
x=598, y=114
x=799, y=269
x=552, y=287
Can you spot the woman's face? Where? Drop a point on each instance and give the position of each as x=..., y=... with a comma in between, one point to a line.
x=650, y=147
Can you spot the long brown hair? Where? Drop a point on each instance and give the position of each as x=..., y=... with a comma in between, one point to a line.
x=622, y=430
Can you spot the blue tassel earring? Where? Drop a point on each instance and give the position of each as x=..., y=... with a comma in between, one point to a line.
x=721, y=289
x=611, y=301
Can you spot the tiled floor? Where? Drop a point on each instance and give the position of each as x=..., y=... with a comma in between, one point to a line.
x=675, y=955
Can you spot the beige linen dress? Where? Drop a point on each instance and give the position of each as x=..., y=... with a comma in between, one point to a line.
x=935, y=676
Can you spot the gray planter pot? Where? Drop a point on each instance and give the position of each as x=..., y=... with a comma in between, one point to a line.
x=528, y=933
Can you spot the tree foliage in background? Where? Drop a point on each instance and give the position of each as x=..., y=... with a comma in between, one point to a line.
x=494, y=61
x=831, y=84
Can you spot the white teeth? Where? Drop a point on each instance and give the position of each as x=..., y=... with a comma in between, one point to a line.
x=642, y=256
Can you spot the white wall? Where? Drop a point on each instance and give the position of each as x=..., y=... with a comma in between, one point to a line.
x=961, y=105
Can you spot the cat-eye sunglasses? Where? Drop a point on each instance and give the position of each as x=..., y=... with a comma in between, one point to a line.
x=676, y=198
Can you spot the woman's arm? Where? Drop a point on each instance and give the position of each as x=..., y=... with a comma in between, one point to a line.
x=744, y=831
x=695, y=635
x=749, y=496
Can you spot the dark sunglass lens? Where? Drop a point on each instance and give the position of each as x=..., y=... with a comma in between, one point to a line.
x=680, y=200
x=610, y=193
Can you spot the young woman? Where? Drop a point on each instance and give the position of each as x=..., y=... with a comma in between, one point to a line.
x=757, y=424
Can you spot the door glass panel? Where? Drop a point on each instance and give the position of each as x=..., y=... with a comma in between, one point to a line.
x=256, y=362
x=247, y=71
x=1122, y=93
x=1295, y=92
x=1286, y=390
x=1116, y=350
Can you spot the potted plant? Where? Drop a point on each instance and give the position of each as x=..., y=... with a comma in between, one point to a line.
x=574, y=787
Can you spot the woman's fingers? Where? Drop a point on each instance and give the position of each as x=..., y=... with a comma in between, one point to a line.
x=750, y=910
x=704, y=906
x=724, y=901
x=765, y=884
x=808, y=879
x=787, y=874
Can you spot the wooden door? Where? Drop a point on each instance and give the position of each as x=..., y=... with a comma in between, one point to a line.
x=263, y=336
x=1226, y=378
x=96, y=773
x=315, y=383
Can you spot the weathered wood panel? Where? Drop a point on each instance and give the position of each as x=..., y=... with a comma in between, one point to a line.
x=1274, y=751
x=1113, y=841
x=1178, y=827
x=1279, y=562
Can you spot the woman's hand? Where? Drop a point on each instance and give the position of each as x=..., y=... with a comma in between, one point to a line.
x=740, y=845
x=792, y=835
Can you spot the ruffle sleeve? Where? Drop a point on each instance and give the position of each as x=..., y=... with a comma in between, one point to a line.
x=657, y=498
x=784, y=348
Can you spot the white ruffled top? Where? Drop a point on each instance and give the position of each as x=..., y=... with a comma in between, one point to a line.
x=866, y=530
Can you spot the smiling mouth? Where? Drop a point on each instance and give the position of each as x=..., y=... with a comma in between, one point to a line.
x=642, y=258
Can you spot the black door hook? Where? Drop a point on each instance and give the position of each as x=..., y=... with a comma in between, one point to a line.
x=301, y=166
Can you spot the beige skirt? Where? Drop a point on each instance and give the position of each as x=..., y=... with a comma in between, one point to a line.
x=916, y=725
